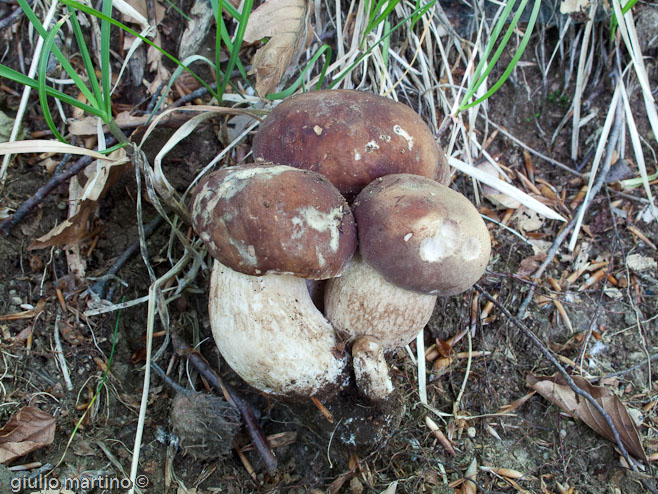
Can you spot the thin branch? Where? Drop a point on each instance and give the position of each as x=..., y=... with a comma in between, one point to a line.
x=99, y=287
x=576, y=389
x=253, y=429
x=7, y=225
x=596, y=188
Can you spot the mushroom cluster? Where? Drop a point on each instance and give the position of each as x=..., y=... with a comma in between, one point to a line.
x=274, y=224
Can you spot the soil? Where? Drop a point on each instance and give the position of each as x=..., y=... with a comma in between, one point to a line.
x=385, y=444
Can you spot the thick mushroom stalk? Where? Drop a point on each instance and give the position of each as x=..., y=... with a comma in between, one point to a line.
x=271, y=334
x=269, y=227
x=381, y=316
x=362, y=302
x=370, y=369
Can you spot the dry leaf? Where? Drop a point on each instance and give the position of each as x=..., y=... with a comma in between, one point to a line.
x=530, y=264
x=528, y=220
x=286, y=23
x=392, y=487
x=558, y=392
x=69, y=231
x=27, y=430
x=639, y=263
x=497, y=198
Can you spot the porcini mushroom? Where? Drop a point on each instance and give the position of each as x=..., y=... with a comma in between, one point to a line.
x=418, y=240
x=350, y=137
x=269, y=227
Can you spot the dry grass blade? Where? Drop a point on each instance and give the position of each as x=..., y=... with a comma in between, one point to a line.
x=607, y=125
x=555, y=390
x=43, y=146
x=27, y=430
x=505, y=188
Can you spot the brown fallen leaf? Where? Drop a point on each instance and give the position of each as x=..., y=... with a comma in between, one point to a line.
x=286, y=23
x=558, y=392
x=27, y=430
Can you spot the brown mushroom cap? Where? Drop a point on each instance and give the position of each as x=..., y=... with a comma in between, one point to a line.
x=421, y=235
x=350, y=137
x=260, y=219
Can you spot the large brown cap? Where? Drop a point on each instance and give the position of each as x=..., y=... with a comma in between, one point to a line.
x=350, y=137
x=421, y=235
x=260, y=219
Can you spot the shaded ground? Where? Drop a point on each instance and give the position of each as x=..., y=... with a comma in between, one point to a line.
x=553, y=452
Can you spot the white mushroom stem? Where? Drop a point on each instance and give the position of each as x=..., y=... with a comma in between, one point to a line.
x=362, y=303
x=370, y=368
x=268, y=330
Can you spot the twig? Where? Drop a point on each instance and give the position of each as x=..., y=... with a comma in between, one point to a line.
x=646, y=362
x=534, y=151
x=99, y=287
x=579, y=391
x=596, y=188
x=253, y=429
x=550, y=255
x=60, y=352
x=7, y=225
x=13, y=17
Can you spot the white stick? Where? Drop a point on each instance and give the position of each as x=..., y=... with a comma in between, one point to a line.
x=60, y=352
x=420, y=352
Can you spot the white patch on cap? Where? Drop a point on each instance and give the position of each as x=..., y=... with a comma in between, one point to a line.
x=357, y=156
x=408, y=236
x=371, y=146
x=247, y=252
x=405, y=135
x=237, y=180
x=318, y=253
x=322, y=222
x=442, y=244
x=471, y=249
x=318, y=130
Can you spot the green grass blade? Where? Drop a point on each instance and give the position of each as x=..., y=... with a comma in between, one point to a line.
x=48, y=43
x=66, y=65
x=293, y=87
x=226, y=38
x=106, y=68
x=20, y=78
x=485, y=63
x=503, y=42
x=613, y=20
x=373, y=23
x=114, y=22
x=235, y=51
x=232, y=11
x=220, y=27
x=513, y=62
x=84, y=53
